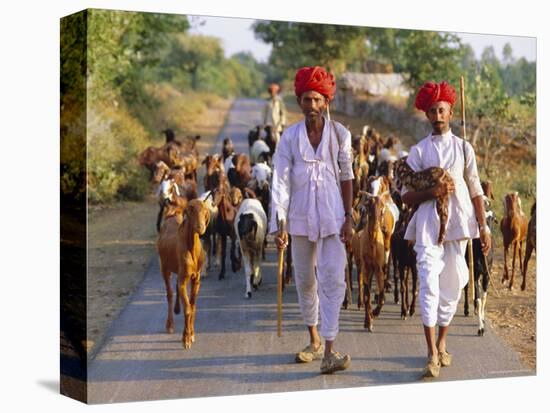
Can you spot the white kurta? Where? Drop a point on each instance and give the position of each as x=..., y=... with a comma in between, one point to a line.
x=445, y=151
x=305, y=188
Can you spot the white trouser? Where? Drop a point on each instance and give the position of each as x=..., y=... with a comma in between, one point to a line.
x=443, y=273
x=328, y=289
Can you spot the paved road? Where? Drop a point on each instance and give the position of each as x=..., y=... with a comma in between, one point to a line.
x=237, y=350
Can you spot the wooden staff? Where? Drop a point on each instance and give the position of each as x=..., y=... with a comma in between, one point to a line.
x=470, y=250
x=280, y=226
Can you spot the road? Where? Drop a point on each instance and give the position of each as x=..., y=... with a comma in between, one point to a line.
x=237, y=350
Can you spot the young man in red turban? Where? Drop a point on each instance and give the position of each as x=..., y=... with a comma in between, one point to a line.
x=312, y=193
x=442, y=269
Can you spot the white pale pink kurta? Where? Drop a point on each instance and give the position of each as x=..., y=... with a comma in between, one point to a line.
x=306, y=194
x=305, y=182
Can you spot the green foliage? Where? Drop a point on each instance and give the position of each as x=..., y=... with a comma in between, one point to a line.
x=73, y=106
x=308, y=44
x=115, y=139
x=125, y=77
x=423, y=55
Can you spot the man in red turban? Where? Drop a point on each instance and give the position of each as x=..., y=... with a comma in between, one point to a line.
x=315, y=78
x=312, y=192
x=442, y=269
x=431, y=93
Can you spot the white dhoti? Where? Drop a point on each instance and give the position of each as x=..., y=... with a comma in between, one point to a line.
x=443, y=273
x=326, y=292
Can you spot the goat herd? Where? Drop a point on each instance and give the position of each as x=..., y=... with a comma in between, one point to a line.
x=193, y=229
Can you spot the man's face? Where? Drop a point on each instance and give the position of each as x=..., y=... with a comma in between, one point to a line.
x=439, y=115
x=313, y=104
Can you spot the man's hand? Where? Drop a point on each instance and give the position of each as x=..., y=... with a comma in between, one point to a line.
x=485, y=238
x=282, y=240
x=346, y=232
x=442, y=189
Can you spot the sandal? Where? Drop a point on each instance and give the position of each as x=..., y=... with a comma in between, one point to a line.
x=308, y=354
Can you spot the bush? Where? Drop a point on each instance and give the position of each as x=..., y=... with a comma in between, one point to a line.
x=114, y=141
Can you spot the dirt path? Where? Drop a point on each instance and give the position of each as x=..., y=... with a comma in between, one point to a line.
x=513, y=314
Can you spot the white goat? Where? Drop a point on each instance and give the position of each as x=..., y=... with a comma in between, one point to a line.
x=251, y=227
x=259, y=147
x=228, y=164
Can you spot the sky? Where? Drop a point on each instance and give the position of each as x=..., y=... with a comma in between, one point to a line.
x=237, y=36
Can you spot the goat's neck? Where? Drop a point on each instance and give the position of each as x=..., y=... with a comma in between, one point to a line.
x=373, y=225
x=191, y=238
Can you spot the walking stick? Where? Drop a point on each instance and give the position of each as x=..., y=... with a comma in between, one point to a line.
x=470, y=250
x=280, y=226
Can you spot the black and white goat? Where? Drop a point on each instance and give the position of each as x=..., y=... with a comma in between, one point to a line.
x=482, y=272
x=251, y=228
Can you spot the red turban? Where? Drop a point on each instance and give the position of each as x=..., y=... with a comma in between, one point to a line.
x=431, y=93
x=314, y=78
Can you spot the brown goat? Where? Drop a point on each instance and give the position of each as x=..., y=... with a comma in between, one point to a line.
x=373, y=256
x=180, y=251
x=214, y=171
x=514, y=230
x=360, y=166
x=241, y=174
x=531, y=243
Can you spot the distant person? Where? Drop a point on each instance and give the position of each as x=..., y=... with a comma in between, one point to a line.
x=442, y=269
x=275, y=112
x=312, y=193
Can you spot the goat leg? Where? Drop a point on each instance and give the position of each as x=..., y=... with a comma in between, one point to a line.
x=402, y=281
x=505, y=273
x=169, y=299
x=528, y=252
x=380, y=281
x=195, y=287
x=515, y=250
x=187, y=312
x=221, y=276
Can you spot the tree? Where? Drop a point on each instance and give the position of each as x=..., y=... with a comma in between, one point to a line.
x=507, y=54
x=193, y=53
x=430, y=56
x=308, y=44
x=488, y=106
x=489, y=57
